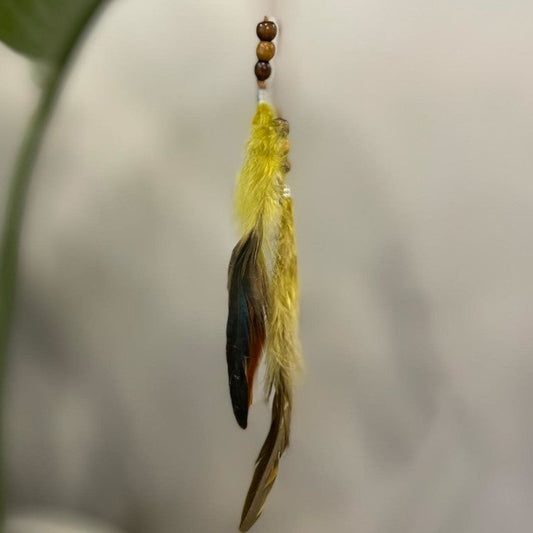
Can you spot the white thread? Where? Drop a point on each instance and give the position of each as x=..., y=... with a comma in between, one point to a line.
x=261, y=95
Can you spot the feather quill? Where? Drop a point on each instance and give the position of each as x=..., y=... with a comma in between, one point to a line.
x=245, y=331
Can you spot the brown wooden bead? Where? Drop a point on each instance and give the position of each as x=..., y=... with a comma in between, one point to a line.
x=266, y=30
x=265, y=50
x=262, y=70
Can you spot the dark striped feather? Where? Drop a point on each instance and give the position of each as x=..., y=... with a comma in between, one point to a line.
x=245, y=331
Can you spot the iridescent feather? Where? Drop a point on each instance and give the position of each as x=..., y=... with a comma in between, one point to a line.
x=245, y=331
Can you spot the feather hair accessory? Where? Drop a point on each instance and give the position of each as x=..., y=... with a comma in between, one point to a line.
x=258, y=209
x=263, y=285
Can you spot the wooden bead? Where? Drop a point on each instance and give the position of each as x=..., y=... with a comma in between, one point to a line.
x=266, y=30
x=262, y=70
x=265, y=50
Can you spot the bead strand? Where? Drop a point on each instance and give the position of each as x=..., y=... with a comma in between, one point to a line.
x=266, y=49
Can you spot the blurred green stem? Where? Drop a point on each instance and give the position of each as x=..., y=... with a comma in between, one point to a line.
x=14, y=213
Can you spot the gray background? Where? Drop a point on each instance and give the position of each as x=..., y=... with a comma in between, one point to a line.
x=412, y=128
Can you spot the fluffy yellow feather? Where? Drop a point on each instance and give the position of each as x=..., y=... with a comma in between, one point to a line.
x=260, y=182
x=282, y=361
x=283, y=346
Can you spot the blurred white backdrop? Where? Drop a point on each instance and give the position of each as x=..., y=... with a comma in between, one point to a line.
x=411, y=129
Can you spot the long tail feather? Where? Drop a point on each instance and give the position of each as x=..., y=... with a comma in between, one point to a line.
x=245, y=329
x=266, y=466
x=283, y=359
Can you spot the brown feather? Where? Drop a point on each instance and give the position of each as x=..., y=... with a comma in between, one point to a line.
x=266, y=466
x=246, y=328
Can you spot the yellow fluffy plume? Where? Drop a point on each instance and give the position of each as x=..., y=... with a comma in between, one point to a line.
x=260, y=182
x=283, y=346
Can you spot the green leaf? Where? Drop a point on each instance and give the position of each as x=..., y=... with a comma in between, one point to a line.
x=42, y=29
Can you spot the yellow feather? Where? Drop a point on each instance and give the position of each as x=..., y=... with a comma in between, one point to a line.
x=283, y=347
x=260, y=182
x=283, y=359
